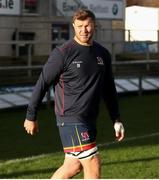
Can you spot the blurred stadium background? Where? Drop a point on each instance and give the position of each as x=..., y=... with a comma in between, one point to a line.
x=30, y=29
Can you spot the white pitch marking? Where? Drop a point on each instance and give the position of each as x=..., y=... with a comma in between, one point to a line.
x=99, y=145
x=130, y=139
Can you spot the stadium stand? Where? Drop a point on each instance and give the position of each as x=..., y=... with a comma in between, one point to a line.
x=19, y=96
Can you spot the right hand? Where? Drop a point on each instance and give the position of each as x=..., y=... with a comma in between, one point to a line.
x=119, y=131
x=31, y=126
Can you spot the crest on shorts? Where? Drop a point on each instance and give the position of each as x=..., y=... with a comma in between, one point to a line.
x=85, y=136
x=100, y=61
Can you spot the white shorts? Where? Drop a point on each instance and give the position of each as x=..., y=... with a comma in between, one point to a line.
x=83, y=154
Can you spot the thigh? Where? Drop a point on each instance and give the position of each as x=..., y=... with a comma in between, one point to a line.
x=70, y=168
x=91, y=167
x=72, y=164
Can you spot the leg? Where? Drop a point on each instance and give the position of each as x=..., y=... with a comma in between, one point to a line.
x=91, y=167
x=70, y=168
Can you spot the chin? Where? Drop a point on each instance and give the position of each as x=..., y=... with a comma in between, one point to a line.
x=85, y=40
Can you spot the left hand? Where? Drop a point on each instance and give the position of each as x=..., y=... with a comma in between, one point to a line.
x=119, y=131
x=31, y=126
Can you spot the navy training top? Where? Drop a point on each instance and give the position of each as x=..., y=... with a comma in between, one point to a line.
x=81, y=76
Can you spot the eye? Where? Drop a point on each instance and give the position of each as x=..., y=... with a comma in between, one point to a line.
x=79, y=26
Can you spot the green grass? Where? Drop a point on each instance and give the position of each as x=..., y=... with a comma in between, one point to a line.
x=117, y=162
x=133, y=158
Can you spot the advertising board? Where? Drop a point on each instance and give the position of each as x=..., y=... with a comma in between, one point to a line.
x=105, y=9
x=10, y=7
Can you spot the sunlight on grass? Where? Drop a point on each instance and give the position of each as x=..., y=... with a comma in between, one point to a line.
x=24, y=156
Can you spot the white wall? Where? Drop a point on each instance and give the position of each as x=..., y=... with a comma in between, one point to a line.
x=143, y=23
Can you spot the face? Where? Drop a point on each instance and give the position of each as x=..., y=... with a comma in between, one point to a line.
x=84, y=30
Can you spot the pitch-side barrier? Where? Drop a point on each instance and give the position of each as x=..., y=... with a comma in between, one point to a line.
x=127, y=80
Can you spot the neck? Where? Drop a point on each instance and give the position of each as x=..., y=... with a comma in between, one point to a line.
x=81, y=43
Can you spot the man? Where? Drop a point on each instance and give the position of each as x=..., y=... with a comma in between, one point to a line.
x=80, y=71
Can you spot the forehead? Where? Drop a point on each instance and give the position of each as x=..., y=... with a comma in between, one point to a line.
x=81, y=22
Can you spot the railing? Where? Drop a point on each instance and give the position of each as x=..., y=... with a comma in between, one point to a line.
x=28, y=75
x=112, y=39
x=111, y=45
x=126, y=69
x=139, y=69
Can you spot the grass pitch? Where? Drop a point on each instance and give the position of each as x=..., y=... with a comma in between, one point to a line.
x=24, y=156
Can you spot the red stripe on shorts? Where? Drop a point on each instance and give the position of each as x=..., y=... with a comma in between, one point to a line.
x=79, y=148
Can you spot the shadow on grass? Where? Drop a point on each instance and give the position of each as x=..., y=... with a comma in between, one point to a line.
x=28, y=173
x=140, y=115
x=16, y=143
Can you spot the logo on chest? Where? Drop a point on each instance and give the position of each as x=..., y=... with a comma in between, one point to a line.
x=77, y=63
x=100, y=61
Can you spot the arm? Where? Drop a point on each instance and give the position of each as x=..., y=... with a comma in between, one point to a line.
x=49, y=75
x=111, y=100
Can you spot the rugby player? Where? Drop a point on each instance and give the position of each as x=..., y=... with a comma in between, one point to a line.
x=81, y=73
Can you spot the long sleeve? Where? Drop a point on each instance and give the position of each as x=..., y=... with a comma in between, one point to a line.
x=110, y=93
x=49, y=75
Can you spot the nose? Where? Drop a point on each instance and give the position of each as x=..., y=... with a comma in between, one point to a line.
x=84, y=29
